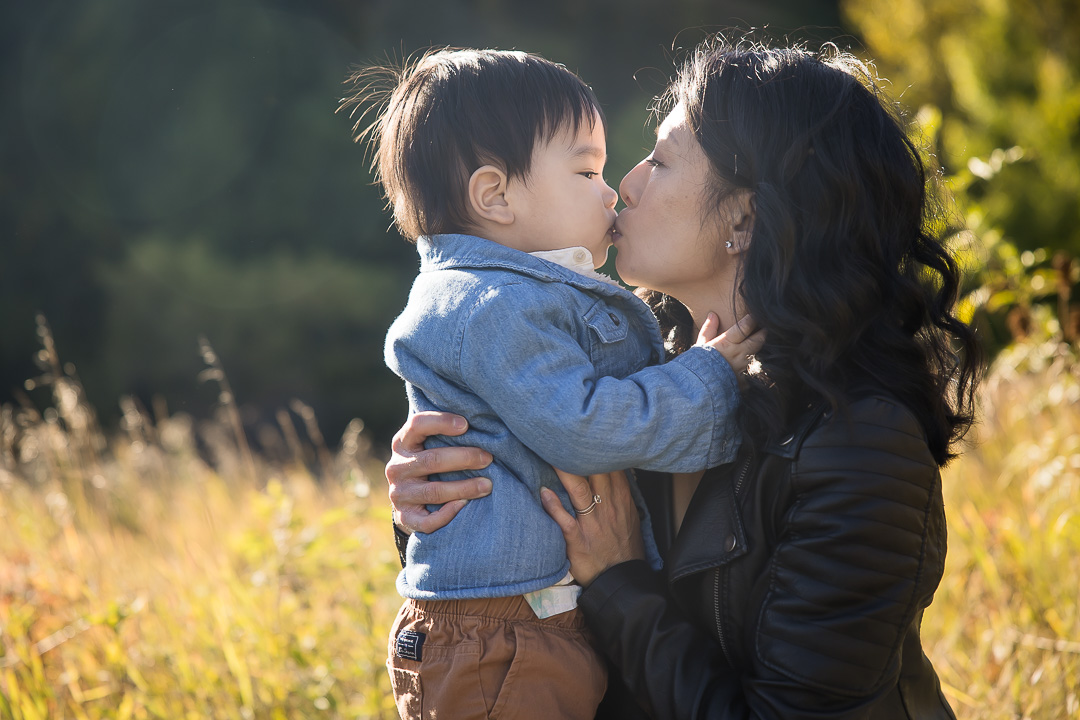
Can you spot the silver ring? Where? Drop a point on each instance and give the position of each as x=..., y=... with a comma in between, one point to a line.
x=586, y=511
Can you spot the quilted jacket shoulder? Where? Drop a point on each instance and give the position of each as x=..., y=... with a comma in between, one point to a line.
x=861, y=553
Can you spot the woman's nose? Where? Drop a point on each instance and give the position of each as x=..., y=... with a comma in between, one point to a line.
x=630, y=187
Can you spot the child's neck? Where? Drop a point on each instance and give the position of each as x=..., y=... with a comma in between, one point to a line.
x=500, y=234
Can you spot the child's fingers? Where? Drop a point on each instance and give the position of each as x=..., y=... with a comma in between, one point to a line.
x=755, y=342
x=742, y=329
x=709, y=328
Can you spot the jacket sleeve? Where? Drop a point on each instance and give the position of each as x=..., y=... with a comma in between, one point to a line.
x=534, y=375
x=858, y=557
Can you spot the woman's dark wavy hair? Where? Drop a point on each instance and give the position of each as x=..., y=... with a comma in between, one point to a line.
x=842, y=268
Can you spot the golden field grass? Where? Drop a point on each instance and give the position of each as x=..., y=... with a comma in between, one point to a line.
x=1004, y=628
x=139, y=579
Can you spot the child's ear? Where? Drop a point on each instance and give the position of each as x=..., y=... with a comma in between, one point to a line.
x=743, y=213
x=487, y=195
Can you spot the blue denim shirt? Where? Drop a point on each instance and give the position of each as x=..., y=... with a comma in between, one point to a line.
x=551, y=368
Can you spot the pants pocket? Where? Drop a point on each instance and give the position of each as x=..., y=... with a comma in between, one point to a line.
x=407, y=691
x=552, y=675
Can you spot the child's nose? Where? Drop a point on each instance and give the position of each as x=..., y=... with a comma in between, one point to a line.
x=611, y=198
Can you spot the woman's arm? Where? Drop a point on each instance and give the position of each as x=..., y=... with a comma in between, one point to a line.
x=673, y=667
x=406, y=473
x=829, y=612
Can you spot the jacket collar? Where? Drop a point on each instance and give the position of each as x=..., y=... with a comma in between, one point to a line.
x=456, y=251
x=714, y=511
x=788, y=445
x=715, y=505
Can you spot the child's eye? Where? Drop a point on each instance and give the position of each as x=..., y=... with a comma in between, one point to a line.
x=652, y=162
x=589, y=174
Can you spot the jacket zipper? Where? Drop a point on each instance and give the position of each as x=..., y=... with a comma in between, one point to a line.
x=720, y=571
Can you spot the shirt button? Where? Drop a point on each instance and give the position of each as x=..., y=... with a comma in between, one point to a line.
x=730, y=543
x=614, y=318
x=579, y=256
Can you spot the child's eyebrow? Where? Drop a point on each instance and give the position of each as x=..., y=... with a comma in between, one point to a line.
x=589, y=150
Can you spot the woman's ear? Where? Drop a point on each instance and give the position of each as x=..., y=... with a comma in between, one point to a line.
x=743, y=214
x=487, y=195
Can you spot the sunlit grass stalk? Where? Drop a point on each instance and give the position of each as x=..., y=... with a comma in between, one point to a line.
x=216, y=372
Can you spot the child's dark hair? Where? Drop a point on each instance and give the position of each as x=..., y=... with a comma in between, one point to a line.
x=452, y=111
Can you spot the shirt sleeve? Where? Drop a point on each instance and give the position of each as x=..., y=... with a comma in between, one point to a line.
x=528, y=367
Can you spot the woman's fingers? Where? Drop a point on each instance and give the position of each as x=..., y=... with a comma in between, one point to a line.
x=422, y=425
x=607, y=535
x=558, y=513
x=409, y=467
x=403, y=466
x=578, y=488
x=418, y=519
x=415, y=491
x=411, y=498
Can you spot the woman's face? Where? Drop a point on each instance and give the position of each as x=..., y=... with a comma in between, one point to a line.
x=668, y=237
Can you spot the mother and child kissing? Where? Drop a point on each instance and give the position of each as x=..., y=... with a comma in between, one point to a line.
x=492, y=162
x=783, y=184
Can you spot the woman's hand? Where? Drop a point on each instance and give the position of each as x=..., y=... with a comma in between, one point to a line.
x=606, y=535
x=410, y=465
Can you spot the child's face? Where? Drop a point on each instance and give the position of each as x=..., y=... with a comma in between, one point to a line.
x=564, y=201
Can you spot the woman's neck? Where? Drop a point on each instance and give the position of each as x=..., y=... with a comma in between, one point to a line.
x=720, y=298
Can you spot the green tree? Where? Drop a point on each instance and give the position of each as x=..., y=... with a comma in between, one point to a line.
x=997, y=85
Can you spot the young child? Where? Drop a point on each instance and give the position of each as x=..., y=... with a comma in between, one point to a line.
x=492, y=162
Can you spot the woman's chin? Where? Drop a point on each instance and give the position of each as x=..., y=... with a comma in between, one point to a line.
x=626, y=275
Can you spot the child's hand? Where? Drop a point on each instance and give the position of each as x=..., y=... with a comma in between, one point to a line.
x=736, y=344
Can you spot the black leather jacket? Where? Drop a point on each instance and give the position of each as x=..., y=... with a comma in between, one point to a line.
x=796, y=586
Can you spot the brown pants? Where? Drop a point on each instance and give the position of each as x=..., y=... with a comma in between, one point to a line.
x=492, y=658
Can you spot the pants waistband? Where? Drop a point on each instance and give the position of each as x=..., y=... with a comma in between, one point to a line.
x=504, y=608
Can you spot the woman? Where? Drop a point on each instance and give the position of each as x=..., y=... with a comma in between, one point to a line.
x=796, y=580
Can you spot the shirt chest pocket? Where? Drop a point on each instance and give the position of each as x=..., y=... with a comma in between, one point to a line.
x=607, y=334
x=607, y=324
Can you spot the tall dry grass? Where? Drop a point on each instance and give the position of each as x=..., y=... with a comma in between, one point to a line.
x=140, y=580
x=1004, y=629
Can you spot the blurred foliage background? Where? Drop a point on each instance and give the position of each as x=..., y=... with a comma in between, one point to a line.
x=995, y=85
x=179, y=200
x=176, y=169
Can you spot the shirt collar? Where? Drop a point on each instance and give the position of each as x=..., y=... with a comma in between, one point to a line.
x=577, y=259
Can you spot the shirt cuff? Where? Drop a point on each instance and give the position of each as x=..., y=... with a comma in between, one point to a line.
x=722, y=387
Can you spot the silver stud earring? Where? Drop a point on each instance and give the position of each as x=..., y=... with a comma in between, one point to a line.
x=729, y=245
